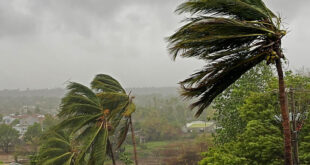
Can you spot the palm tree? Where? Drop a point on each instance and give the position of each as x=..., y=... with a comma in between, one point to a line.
x=104, y=83
x=94, y=116
x=57, y=148
x=232, y=36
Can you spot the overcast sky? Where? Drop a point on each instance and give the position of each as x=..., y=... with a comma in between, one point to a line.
x=45, y=43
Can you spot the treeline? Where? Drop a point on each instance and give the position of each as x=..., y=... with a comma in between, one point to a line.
x=48, y=100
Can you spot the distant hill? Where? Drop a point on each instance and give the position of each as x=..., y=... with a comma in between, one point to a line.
x=165, y=91
x=48, y=100
x=59, y=92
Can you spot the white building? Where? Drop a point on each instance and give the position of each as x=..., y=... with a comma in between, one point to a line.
x=21, y=129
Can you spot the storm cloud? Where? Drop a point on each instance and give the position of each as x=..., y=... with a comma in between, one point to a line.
x=45, y=43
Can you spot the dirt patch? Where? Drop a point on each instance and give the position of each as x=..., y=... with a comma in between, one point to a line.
x=6, y=158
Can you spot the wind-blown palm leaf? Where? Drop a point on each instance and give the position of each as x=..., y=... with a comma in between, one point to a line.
x=77, y=122
x=89, y=140
x=232, y=36
x=57, y=149
x=79, y=100
x=106, y=83
x=240, y=9
x=101, y=147
x=112, y=100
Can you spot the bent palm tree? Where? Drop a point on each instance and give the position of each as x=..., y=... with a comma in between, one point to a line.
x=93, y=116
x=232, y=36
x=105, y=83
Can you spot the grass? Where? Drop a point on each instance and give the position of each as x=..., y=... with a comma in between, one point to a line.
x=146, y=149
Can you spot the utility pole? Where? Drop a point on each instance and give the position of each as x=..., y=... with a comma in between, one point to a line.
x=294, y=129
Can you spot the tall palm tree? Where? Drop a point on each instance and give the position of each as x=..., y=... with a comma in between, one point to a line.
x=93, y=116
x=232, y=36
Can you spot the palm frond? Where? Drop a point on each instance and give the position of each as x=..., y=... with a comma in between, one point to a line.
x=206, y=36
x=79, y=89
x=106, y=83
x=100, y=150
x=91, y=137
x=217, y=76
x=112, y=100
x=74, y=123
x=58, y=159
x=56, y=149
x=239, y=9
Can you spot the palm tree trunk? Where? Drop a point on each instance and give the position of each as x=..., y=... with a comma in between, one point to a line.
x=133, y=141
x=111, y=152
x=285, y=117
x=112, y=155
x=113, y=159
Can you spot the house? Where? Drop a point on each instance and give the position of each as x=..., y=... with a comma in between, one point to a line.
x=21, y=128
x=25, y=121
x=199, y=126
x=8, y=119
x=30, y=119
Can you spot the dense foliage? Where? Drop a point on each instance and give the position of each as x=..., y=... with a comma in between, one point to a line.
x=227, y=103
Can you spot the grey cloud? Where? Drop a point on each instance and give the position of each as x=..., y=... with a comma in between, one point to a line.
x=14, y=22
x=288, y=9
x=43, y=43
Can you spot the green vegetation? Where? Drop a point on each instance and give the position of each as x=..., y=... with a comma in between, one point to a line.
x=258, y=139
x=8, y=137
x=33, y=133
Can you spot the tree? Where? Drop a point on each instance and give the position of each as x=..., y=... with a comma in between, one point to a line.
x=32, y=137
x=227, y=104
x=33, y=133
x=15, y=122
x=259, y=144
x=233, y=37
x=8, y=136
x=105, y=83
x=94, y=115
